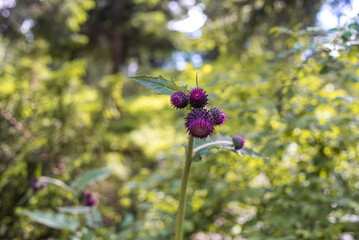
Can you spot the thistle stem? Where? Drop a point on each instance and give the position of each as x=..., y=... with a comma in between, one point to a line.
x=183, y=192
x=60, y=184
x=211, y=144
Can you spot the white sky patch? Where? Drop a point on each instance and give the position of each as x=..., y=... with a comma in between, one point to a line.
x=7, y=4
x=326, y=18
x=26, y=25
x=188, y=3
x=132, y=68
x=174, y=7
x=195, y=20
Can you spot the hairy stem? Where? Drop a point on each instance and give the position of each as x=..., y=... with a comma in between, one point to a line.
x=183, y=192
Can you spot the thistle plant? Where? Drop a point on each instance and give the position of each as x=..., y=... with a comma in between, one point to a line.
x=82, y=217
x=200, y=123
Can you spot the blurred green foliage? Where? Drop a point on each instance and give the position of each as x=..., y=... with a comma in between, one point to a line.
x=291, y=91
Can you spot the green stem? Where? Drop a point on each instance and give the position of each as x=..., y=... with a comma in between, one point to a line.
x=211, y=144
x=61, y=184
x=183, y=192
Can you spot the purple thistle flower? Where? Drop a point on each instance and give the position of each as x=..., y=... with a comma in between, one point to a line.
x=179, y=99
x=89, y=199
x=218, y=115
x=198, y=98
x=36, y=185
x=238, y=142
x=199, y=123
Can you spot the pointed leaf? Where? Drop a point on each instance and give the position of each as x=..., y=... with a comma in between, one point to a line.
x=52, y=219
x=93, y=218
x=202, y=153
x=160, y=84
x=74, y=209
x=89, y=177
x=249, y=152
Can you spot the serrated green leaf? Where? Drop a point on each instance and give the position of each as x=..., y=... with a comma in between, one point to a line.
x=52, y=219
x=249, y=152
x=202, y=153
x=197, y=158
x=160, y=84
x=349, y=99
x=127, y=221
x=89, y=177
x=74, y=209
x=93, y=218
x=89, y=236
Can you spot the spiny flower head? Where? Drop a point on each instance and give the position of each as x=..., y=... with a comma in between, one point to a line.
x=238, y=142
x=218, y=115
x=198, y=98
x=179, y=99
x=199, y=123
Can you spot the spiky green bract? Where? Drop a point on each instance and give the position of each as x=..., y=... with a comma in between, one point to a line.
x=238, y=142
x=199, y=123
x=198, y=98
x=218, y=115
x=179, y=99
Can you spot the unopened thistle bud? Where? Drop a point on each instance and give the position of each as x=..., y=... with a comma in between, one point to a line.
x=36, y=184
x=198, y=98
x=238, y=142
x=199, y=123
x=179, y=99
x=218, y=115
x=89, y=199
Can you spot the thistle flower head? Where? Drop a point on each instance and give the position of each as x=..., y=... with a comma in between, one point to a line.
x=198, y=98
x=199, y=123
x=36, y=184
x=218, y=115
x=238, y=142
x=179, y=99
x=89, y=199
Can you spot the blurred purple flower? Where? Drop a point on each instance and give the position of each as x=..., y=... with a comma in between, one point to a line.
x=36, y=184
x=238, y=142
x=89, y=199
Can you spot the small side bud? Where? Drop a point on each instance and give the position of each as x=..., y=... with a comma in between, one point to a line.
x=36, y=184
x=238, y=142
x=218, y=115
x=89, y=199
